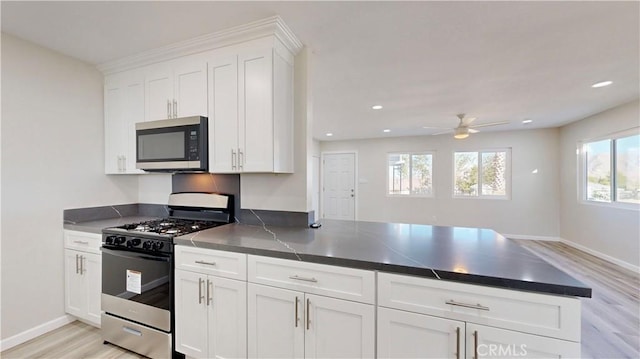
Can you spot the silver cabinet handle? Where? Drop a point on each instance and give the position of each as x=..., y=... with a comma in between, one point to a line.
x=296, y=319
x=233, y=159
x=81, y=242
x=175, y=108
x=206, y=263
x=77, y=265
x=473, y=306
x=295, y=277
x=168, y=109
x=209, y=294
x=475, y=344
x=308, y=313
x=81, y=265
x=457, y=342
x=200, y=297
x=240, y=158
x=132, y=331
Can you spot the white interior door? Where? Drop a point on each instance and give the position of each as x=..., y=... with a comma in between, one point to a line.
x=338, y=190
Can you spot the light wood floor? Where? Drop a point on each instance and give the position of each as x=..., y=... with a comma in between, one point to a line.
x=610, y=319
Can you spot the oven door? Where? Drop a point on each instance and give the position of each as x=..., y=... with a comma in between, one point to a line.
x=137, y=286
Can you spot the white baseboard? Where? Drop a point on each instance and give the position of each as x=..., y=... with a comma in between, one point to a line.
x=35, y=332
x=536, y=238
x=601, y=255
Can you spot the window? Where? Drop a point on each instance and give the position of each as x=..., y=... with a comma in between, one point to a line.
x=481, y=174
x=612, y=169
x=410, y=174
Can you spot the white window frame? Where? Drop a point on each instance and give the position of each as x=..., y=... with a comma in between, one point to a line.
x=412, y=195
x=507, y=174
x=582, y=170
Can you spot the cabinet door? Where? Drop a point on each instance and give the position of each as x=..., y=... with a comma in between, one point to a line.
x=275, y=322
x=133, y=113
x=223, y=114
x=337, y=328
x=191, y=314
x=190, y=87
x=159, y=92
x=492, y=342
x=74, y=289
x=255, y=114
x=113, y=125
x=227, y=303
x=92, y=276
x=409, y=335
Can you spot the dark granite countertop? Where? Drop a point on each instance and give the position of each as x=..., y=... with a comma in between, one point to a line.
x=469, y=255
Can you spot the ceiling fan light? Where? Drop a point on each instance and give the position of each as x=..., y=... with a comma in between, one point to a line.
x=461, y=133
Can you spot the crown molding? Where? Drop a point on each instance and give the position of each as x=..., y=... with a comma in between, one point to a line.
x=272, y=26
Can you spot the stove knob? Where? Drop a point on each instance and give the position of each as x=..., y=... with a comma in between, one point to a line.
x=120, y=240
x=154, y=246
x=146, y=245
x=110, y=239
x=160, y=245
x=135, y=242
x=129, y=244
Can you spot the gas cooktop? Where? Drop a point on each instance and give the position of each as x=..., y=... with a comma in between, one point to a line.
x=169, y=226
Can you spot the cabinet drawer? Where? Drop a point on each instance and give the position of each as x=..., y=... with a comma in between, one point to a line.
x=548, y=315
x=209, y=261
x=83, y=241
x=333, y=281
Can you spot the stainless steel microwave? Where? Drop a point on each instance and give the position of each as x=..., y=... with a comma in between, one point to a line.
x=174, y=145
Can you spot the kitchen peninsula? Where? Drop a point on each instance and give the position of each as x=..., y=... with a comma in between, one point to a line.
x=422, y=291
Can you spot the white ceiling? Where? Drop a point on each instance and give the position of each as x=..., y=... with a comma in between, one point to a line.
x=423, y=61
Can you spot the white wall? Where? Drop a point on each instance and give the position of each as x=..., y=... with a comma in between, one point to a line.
x=287, y=192
x=531, y=211
x=52, y=159
x=611, y=231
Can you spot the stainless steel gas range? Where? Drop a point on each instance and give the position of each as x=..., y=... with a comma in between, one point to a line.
x=138, y=268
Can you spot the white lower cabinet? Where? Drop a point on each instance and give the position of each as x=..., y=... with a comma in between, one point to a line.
x=410, y=335
x=210, y=316
x=488, y=342
x=83, y=285
x=83, y=276
x=291, y=324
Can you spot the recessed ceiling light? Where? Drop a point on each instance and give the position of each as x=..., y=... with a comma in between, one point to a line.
x=602, y=84
x=329, y=134
x=525, y=122
x=376, y=107
x=386, y=130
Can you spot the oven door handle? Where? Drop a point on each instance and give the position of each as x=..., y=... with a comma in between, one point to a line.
x=129, y=254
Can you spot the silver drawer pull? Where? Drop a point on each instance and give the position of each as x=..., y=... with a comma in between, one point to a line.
x=474, y=306
x=81, y=242
x=132, y=331
x=295, y=277
x=207, y=263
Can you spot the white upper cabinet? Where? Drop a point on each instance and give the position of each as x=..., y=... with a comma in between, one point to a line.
x=176, y=88
x=240, y=78
x=251, y=108
x=124, y=96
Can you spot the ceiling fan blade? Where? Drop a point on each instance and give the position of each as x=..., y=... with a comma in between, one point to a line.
x=467, y=121
x=442, y=132
x=471, y=130
x=490, y=124
x=440, y=128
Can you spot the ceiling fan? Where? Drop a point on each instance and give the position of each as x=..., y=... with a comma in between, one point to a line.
x=464, y=127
